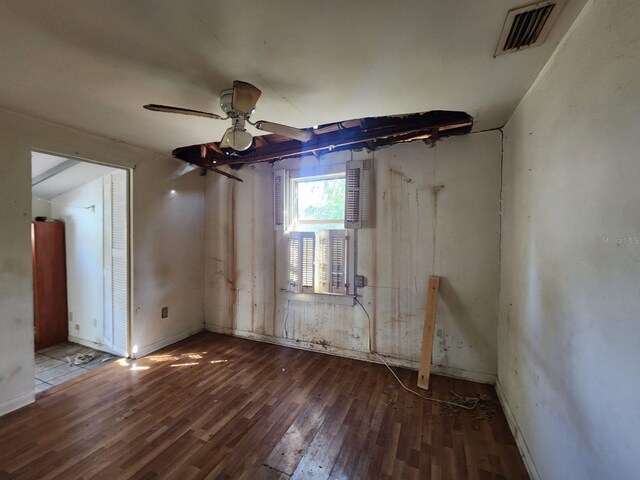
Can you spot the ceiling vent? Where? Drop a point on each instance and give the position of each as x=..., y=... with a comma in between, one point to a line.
x=527, y=26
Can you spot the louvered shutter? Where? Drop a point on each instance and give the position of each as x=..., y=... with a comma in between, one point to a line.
x=294, y=262
x=358, y=178
x=119, y=273
x=365, y=192
x=115, y=271
x=307, y=264
x=330, y=261
x=323, y=259
x=337, y=262
x=301, y=262
x=279, y=200
x=107, y=262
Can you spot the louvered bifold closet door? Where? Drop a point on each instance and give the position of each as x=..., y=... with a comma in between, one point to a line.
x=119, y=284
x=357, y=202
x=115, y=223
x=107, y=262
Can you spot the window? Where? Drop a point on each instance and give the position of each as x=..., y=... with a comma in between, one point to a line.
x=314, y=211
x=317, y=238
x=318, y=203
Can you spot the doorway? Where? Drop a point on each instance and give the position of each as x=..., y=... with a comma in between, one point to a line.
x=80, y=246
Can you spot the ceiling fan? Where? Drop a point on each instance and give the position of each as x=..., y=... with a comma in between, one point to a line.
x=239, y=103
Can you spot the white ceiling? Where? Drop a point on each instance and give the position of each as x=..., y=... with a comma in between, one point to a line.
x=42, y=162
x=92, y=64
x=65, y=181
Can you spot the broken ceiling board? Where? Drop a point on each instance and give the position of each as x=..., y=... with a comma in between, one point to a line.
x=367, y=133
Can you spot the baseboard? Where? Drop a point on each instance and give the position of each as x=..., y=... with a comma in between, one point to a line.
x=88, y=343
x=357, y=355
x=18, y=402
x=165, y=342
x=454, y=372
x=515, y=430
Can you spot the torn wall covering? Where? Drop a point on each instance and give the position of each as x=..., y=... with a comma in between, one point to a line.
x=436, y=211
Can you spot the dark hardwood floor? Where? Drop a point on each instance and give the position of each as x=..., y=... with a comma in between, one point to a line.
x=214, y=406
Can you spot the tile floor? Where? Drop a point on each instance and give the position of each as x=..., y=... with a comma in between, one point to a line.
x=53, y=368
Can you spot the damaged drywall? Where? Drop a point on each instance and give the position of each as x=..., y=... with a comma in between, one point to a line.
x=435, y=212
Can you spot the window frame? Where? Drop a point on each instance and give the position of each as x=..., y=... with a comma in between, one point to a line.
x=294, y=178
x=291, y=227
x=294, y=183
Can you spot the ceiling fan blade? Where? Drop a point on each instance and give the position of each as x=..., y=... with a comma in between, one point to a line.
x=183, y=111
x=284, y=130
x=245, y=97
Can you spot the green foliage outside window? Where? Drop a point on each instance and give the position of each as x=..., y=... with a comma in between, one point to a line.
x=321, y=200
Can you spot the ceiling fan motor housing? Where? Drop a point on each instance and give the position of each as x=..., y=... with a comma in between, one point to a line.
x=226, y=97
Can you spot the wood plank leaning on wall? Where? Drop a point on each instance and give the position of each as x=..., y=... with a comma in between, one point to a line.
x=427, y=332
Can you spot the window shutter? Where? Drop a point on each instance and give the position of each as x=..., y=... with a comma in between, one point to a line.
x=330, y=261
x=301, y=259
x=323, y=267
x=356, y=208
x=308, y=251
x=365, y=192
x=337, y=262
x=279, y=192
x=294, y=262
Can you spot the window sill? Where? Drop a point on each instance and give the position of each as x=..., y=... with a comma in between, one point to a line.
x=332, y=298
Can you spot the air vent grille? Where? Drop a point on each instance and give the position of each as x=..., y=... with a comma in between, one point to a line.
x=527, y=26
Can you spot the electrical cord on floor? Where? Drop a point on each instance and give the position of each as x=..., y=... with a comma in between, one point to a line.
x=367, y=313
x=286, y=317
x=472, y=401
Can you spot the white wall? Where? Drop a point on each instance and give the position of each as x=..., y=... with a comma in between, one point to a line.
x=168, y=246
x=569, y=337
x=81, y=210
x=246, y=261
x=40, y=207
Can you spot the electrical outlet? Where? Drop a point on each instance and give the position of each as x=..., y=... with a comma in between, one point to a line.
x=77, y=327
x=360, y=281
x=165, y=312
x=71, y=316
